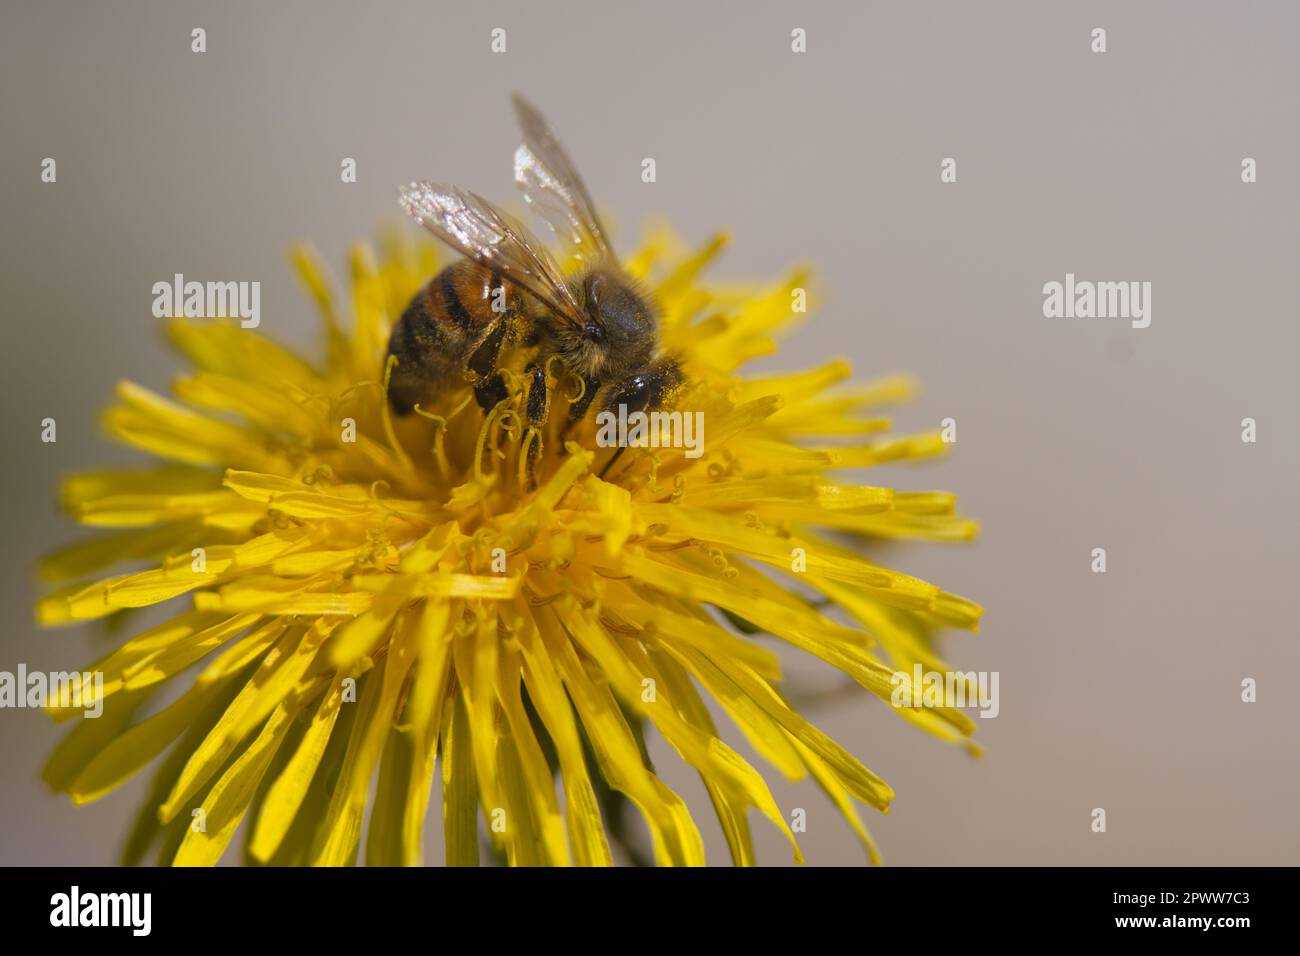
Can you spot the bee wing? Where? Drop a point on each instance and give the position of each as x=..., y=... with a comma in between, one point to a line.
x=474, y=227
x=551, y=183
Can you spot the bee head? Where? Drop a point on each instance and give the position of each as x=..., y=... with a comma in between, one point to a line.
x=621, y=330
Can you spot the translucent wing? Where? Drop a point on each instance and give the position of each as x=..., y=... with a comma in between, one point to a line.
x=474, y=227
x=552, y=185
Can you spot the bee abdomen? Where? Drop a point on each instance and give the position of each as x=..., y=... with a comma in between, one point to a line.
x=440, y=330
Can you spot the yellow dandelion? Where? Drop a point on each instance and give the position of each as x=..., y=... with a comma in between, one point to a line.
x=398, y=598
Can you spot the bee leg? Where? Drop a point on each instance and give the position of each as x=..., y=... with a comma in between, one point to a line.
x=537, y=409
x=578, y=410
x=490, y=385
x=643, y=392
x=491, y=391
x=612, y=458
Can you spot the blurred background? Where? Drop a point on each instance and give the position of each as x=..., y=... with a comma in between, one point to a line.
x=1119, y=690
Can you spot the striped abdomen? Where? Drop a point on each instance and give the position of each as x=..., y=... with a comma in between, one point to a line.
x=451, y=333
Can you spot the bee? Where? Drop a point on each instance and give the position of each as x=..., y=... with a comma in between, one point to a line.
x=509, y=291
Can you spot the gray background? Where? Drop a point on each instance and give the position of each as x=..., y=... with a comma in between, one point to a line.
x=1119, y=690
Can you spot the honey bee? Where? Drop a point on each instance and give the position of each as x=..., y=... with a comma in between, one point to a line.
x=509, y=291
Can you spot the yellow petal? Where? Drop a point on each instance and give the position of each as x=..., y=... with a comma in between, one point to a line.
x=424, y=706
x=730, y=810
x=535, y=783
x=79, y=746
x=340, y=830
x=582, y=811
x=222, y=741
x=459, y=788
x=676, y=840
x=227, y=802
x=625, y=666
x=864, y=784
x=131, y=751
x=285, y=796
x=840, y=796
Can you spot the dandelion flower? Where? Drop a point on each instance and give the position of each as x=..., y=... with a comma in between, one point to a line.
x=368, y=597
